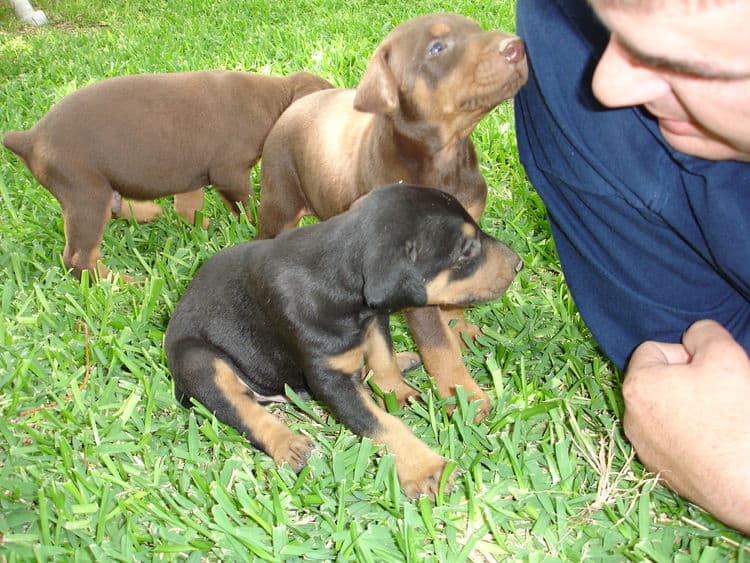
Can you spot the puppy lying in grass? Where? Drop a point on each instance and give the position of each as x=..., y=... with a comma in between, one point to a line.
x=146, y=136
x=309, y=308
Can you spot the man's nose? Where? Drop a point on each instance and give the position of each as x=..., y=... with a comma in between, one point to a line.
x=620, y=80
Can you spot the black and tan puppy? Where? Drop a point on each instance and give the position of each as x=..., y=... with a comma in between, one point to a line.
x=427, y=86
x=309, y=308
x=150, y=135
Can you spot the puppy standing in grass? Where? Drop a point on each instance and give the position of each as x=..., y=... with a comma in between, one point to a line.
x=308, y=308
x=427, y=86
x=151, y=135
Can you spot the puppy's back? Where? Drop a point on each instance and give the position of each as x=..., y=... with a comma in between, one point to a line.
x=321, y=132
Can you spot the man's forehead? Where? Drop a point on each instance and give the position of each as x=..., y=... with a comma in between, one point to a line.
x=709, y=39
x=678, y=6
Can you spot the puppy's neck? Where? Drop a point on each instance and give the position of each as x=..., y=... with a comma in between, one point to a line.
x=424, y=149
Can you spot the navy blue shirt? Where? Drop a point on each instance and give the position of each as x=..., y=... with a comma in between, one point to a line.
x=650, y=240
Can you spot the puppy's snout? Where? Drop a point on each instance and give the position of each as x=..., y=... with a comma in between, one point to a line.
x=510, y=260
x=513, y=49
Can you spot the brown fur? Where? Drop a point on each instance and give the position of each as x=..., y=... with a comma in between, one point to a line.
x=428, y=84
x=147, y=136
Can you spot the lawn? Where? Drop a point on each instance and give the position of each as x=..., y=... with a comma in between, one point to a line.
x=112, y=468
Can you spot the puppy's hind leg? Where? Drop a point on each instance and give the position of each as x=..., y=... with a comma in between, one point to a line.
x=86, y=203
x=213, y=381
x=187, y=204
x=282, y=204
x=141, y=211
x=233, y=184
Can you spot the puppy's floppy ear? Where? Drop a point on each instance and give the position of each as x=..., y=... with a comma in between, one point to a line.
x=378, y=91
x=392, y=282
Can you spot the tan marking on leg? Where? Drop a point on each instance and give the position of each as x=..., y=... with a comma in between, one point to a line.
x=278, y=441
x=271, y=227
x=84, y=231
x=347, y=362
x=141, y=211
x=385, y=368
x=187, y=204
x=442, y=358
x=292, y=224
x=419, y=468
x=408, y=361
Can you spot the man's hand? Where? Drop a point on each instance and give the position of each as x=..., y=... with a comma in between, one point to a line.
x=687, y=414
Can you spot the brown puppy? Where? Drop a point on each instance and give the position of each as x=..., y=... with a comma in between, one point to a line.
x=152, y=135
x=427, y=86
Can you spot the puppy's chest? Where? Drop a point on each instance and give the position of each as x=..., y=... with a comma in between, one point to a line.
x=456, y=173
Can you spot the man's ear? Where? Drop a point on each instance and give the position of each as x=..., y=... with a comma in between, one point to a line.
x=393, y=283
x=377, y=92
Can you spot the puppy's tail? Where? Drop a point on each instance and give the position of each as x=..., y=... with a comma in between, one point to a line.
x=304, y=83
x=20, y=142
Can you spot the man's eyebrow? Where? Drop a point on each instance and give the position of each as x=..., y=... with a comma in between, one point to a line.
x=697, y=69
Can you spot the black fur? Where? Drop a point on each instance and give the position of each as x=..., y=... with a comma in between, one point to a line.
x=279, y=310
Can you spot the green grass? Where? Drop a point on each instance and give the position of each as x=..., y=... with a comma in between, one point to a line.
x=119, y=471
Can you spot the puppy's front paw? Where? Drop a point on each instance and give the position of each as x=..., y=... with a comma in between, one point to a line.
x=483, y=408
x=404, y=393
x=294, y=450
x=463, y=326
x=408, y=361
x=102, y=272
x=422, y=478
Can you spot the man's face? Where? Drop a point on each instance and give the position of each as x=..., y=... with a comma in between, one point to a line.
x=688, y=66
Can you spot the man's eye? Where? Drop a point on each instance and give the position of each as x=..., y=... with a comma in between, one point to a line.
x=436, y=47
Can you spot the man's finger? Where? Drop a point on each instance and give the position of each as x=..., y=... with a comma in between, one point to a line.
x=657, y=354
x=707, y=341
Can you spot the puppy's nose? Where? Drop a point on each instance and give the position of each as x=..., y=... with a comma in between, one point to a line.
x=513, y=49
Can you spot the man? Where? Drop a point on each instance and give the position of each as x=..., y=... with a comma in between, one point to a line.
x=636, y=134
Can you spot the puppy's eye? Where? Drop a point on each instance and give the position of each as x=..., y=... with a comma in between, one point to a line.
x=470, y=248
x=436, y=47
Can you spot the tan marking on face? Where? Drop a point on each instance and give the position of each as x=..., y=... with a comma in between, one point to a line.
x=469, y=230
x=277, y=440
x=423, y=97
x=488, y=282
x=440, y=29
x=476, y=209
